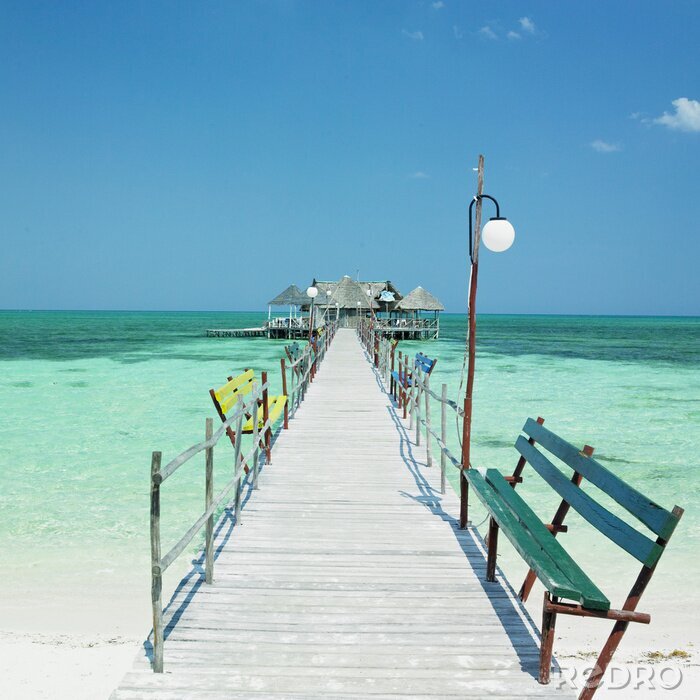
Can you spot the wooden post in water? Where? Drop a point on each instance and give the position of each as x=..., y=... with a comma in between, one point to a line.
x=208, y=498
x=443, y=436
x=428, y=436
x=156, y=572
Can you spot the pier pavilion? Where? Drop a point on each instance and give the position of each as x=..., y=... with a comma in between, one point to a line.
x=347, y=301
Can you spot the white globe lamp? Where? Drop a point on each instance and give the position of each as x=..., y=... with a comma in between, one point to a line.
x=498, y=234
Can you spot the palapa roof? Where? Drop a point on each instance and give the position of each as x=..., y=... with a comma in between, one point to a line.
x=340, y=292
x=420, y=300
x=292, y=296
x=346, y=293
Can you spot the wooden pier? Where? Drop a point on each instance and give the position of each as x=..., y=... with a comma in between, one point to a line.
x=236, y=332
x=348, y=575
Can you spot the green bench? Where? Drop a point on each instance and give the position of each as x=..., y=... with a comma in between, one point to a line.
x=569, y=590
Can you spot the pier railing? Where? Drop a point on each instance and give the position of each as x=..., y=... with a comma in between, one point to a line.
x=303, y=369
x=414, y=398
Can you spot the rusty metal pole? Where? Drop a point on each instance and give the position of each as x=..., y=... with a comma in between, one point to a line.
x=467, y=426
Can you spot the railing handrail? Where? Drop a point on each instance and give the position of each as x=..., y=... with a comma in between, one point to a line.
x=174, y=464
x=379, y=345
x=261, y=440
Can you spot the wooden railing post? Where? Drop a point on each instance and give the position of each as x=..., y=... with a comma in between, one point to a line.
x=237, y=467
x=208, y=498
x=256, y=438
x=295, y=392
x=156, y=572
x=397, y=385
x=267, y=435
x=417, y=378
x=412, y=405
x=284, y=391
x=426, y=393
x=443, y=436
x=404, y=384
x=463, y=483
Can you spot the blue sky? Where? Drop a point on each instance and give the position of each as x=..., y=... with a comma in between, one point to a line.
x=203, y=155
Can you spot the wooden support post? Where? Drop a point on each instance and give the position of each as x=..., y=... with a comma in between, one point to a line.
x=284, y=391
x=549, y=620
x=256, y=437
x=443, y=436
x=492, y=550
x=208, y=498
x=267, y=435
x=428, y=436
x=156, y=572
x=376, y=350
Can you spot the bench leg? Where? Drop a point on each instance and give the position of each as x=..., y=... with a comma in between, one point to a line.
x=618, y=631
x=549, y=620
x=492, y=550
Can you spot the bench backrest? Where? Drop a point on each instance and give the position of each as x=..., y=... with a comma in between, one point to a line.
x=424, y=363
x=227, y=395
x=656, y=518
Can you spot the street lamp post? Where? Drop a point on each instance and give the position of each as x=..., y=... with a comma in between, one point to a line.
x=311, y=292
x=498, y=235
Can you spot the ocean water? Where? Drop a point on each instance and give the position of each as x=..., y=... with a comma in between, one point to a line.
x=86, y=397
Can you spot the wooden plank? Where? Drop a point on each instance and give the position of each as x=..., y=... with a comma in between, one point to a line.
x=659, y=520
x=614, y=528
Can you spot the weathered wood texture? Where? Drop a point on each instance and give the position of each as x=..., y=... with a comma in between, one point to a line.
x=349, y=576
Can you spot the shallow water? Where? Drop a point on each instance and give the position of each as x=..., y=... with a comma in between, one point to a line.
x=87, y=396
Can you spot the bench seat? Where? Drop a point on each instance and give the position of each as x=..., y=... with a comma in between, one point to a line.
x=395, y=376
x=275, y=406
x=556, y=569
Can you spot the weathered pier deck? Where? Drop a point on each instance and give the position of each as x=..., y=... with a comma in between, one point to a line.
x=348, y=577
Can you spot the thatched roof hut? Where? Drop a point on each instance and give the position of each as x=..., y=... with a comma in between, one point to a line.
x=346, y=293
x=292, y=296
x=419, y=300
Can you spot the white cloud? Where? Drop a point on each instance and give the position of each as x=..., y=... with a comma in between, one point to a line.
x=488, y=33
x=513, y=35
x=416, y=36
x=459, y=34
x=420, y=175
x=438, y=5
x=527, y=25
x=604, y=147
x=685, y=118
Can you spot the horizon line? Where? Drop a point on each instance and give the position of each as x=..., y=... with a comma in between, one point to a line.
x=444, y=313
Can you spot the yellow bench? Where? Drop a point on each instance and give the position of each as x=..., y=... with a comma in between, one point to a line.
x=269, y=407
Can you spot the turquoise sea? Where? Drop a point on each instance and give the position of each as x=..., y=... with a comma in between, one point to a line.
x=86, y=397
